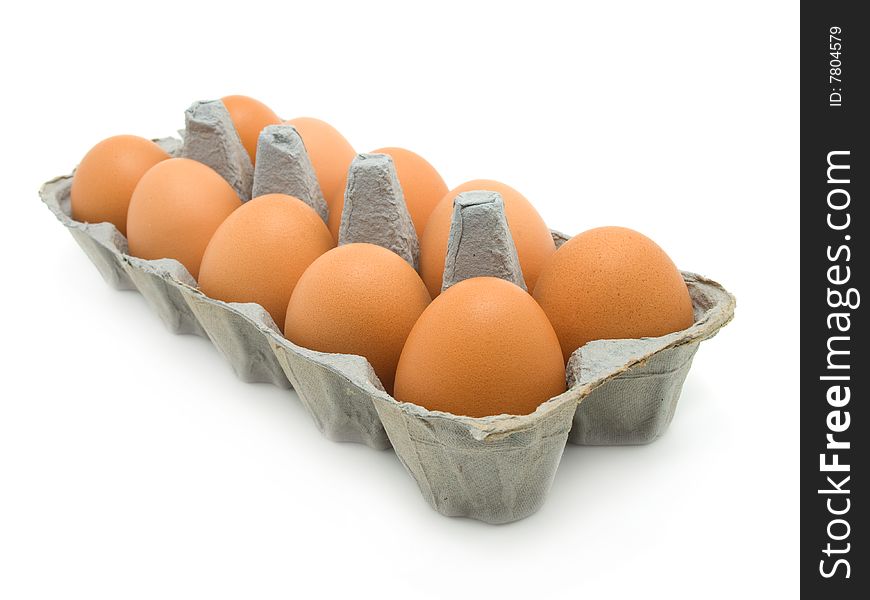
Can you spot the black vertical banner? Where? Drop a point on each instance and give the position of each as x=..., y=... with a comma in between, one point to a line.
x=835, y=344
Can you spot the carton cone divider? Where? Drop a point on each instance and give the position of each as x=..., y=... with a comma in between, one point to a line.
x=284, y=167
x=211, y=138
x=375, y=210
x=480, y=243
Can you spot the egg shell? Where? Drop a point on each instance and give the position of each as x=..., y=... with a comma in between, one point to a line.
x=422, y=185
x=259, y=252
x=249, y=117
x=532, y=237
x=175, y=209
x=331, y=155
x=481, y=348
x=612, y=283
x=357, y=299
x=105, y=179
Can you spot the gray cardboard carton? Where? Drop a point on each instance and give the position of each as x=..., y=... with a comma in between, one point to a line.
x=496, y=469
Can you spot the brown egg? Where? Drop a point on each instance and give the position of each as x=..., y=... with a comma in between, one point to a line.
x=331, y=156
x=421, y=184
x=531, y=236
x=175, y=209
x=105, y=179
x=259, y=252
x=249, y=117
x=483, y=347
x=357, y=299
x=612, y=283
x=336, y=205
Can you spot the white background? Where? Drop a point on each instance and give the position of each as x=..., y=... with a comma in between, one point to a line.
x=133, y=464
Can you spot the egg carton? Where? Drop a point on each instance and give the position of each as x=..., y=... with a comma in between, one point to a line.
x=495, y=469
